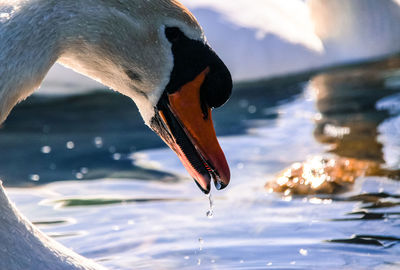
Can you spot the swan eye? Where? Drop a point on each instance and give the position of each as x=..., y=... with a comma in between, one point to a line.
x=173, y=34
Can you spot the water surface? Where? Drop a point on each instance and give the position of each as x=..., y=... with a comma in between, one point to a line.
x=129, y=204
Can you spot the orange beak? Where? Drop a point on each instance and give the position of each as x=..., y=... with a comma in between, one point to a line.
x=192, y=135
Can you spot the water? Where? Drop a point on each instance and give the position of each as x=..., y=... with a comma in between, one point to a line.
x=210, y=211
x=139, y=209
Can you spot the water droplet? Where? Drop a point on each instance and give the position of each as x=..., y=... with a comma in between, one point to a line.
x=240, y=165
x=198, y=261
x=201, y=242
x=70, y=145
x=318, y=117
x=243, y=103
x=116, y=156
x=186, y=257
x=79, y=175
x=84, y=170
x=252, y=109
x=303, y=252
x=34, y=177
x=218, y=184
x=98, y=142
x=210, y=212
x=46, y=149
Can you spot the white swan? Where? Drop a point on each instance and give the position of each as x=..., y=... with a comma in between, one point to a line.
x=265, y=38
x=23, y=246
x=151, y=51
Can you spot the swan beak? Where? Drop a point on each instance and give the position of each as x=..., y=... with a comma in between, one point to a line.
x=193, y=136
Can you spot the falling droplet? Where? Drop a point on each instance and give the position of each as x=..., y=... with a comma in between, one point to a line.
x=201, y=242
x=210, y=212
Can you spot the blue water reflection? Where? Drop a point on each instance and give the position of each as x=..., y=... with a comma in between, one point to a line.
x=141, y=211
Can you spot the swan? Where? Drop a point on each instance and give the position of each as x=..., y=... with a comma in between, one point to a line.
x=154, y=52
x=276, y=38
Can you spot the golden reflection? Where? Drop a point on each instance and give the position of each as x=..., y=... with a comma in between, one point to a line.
x=347, y=122
x=322, y=175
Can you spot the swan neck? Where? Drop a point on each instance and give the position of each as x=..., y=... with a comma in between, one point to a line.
x=29, y=46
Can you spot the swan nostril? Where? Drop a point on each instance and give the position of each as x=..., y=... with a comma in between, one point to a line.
x=133, y=75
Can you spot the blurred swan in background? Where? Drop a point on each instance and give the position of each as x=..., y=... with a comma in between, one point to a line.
x=271, y=38
x=260, y=39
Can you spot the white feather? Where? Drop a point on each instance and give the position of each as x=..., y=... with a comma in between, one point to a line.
x=23, y=246
x=288, y=19
x=264, y=38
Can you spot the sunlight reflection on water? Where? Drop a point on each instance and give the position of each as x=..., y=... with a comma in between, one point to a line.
x=156, y=224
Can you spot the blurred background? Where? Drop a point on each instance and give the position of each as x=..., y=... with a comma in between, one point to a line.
x=317, y=88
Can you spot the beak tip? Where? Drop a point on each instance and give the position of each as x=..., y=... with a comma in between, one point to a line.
x=219, y=185
x=205, y=190
x=224, y=178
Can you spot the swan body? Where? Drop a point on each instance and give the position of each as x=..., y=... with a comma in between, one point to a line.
x=23, y=246
x=154, y=52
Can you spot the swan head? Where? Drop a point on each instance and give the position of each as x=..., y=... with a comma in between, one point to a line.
x=156, y=53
